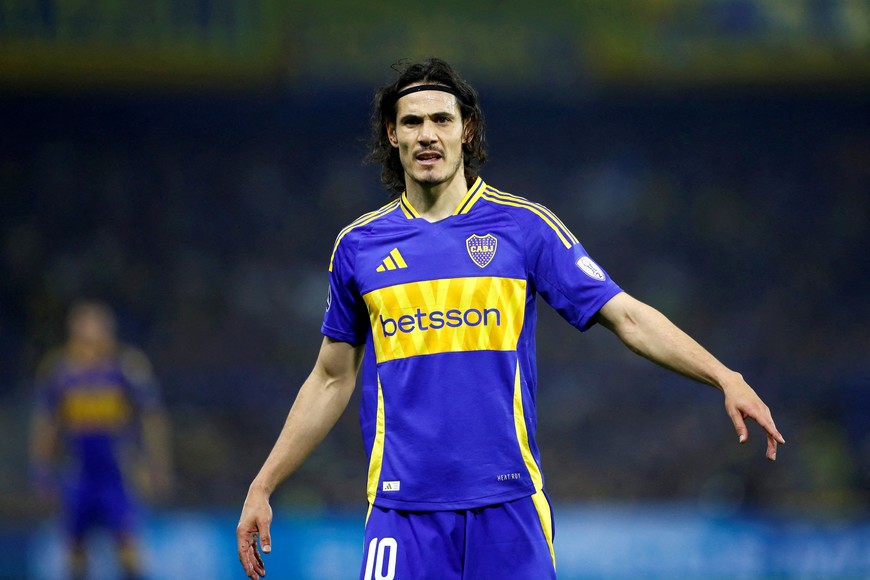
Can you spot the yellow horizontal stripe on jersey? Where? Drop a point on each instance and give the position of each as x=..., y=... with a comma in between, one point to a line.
x=447, y=315
x=565, y=235
x=95, y=409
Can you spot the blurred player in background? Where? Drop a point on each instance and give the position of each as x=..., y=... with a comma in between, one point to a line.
x=435, y=293
x=98, y=431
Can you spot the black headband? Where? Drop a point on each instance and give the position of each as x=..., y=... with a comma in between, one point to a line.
x=418, y=88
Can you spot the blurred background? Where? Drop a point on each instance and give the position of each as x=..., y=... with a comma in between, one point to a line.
x=190, y=163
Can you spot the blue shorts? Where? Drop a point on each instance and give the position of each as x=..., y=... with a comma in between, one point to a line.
x=98, y=505
x=509, y=540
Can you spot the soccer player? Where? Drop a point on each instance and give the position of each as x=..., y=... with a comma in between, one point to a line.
x=433, y=295
x=97, y=403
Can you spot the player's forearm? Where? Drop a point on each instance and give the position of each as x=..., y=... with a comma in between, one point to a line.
x=651, y=334
x=318, y=406
x=42, y=440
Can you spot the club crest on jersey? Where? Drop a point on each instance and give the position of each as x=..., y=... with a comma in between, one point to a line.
x=481, y=249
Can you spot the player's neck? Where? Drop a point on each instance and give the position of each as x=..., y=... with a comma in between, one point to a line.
x=438, y=201
x=89, y=351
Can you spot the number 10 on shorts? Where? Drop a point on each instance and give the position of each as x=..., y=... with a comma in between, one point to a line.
x=380, y=550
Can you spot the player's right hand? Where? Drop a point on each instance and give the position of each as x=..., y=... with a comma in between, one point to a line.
x=253, y=525
x=742, y=402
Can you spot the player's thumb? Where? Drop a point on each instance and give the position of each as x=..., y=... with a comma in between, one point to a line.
x=265, y=536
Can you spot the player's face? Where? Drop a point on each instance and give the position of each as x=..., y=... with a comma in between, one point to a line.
x=429, y=133
x=92, y=326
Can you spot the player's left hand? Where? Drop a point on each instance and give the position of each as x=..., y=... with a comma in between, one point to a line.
x=742, y=402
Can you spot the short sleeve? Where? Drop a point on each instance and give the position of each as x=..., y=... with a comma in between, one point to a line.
x=346, y=316
x=565, y=275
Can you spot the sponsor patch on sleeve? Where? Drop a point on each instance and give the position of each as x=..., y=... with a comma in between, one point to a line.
x=590, y=268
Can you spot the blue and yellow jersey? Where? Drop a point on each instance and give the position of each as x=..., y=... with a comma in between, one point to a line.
x=94, y=401
x=447, y=313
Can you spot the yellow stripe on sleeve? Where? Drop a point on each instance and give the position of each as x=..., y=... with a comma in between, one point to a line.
x=565, y=235
x=538, y=206
x=361, y=221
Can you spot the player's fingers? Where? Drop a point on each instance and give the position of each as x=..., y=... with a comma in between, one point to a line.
x=255, y=562
x=771, y=447
x=248, y=555
x=245, y=559
x=265, y=536
x=772, y=431
x=245, y=550
x=739, y=424
x=764, y=418
x=259, y=566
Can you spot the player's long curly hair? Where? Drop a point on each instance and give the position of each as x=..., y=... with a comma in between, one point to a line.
x=435, y=71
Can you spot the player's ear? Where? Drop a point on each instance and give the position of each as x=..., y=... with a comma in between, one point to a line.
x=467, y=131
x=391, y=134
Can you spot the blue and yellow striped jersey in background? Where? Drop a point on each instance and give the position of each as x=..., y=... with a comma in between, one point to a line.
x=96, y=403
x=447, y=312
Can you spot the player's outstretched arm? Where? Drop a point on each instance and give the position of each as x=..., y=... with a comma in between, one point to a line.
x=321, y=400
x=649, y=333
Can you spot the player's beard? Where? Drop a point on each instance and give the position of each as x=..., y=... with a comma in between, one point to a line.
x=431, y=177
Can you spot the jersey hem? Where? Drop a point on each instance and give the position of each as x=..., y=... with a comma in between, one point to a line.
x=440, y=506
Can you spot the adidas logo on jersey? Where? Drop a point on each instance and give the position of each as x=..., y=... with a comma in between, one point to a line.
x=392, y=262
x=392, y=486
